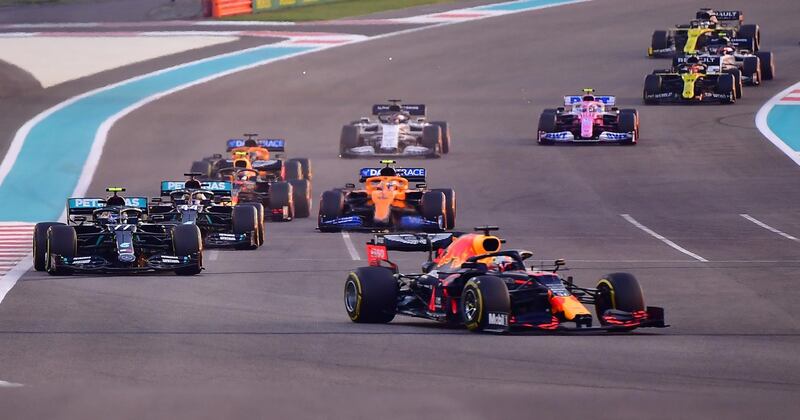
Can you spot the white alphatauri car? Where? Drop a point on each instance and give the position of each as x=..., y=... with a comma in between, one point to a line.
x=398, y=130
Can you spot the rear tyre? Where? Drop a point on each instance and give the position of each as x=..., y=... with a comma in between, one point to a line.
x=449, y=206
x=202, y=167
x=737, y=81
x=767, y=63
x=245, y=221
x=652, y=86
x=432, y=139
x=370, y=295
x=660, y=40
x=618, y=291
x=629, y=123
x=348, y=140
x=726, y=85
x=547, y=124
x=280, y=197
x=40, y=244
x=445, y=127
x=301, y=197
x=331, y=206
x=484, y=295
x=751, y=69
x=63, y=241
x=752, y=32
x=292, y=170
x=260, y=217
x=187, y=241
x=305, y=166
x=433, y=206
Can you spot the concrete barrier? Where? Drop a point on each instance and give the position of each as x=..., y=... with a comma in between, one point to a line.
x=222, y=8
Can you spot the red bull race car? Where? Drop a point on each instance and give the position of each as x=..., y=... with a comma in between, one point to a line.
x=472, y=282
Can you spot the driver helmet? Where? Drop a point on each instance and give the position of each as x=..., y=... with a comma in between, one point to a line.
x=500, y=263
x=388, y=171
x=250, y=143
x=115, y=200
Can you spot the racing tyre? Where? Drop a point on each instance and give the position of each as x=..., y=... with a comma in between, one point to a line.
x=660, y=40
x=434, y=207
x=751, y=32
x=751, y=68
x=61, y=240
x=202, y=167
x=370, y=295
x=445, y=127
x=432, y=139
x=280, y=197
x=187, y=241
x=726, y=85
x=485, y=304
x=348, y=140
x=331, y=206
x=301, y=197
x=767, y=63
x=449, y=206
x=292, y=170
x=618, y=291
x=245, y=221
x=629, y=123
x=260, y=217
x=652, y=86
x=305, y=165
x=737, y=81
x=40, y=244
x=547, y=124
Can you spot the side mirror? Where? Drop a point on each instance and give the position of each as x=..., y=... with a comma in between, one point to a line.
x=155, y=200
x=350, y=186
x=475, y=266
x=80, y=219
x=428, y=266
x=421, y=186
x=560, y=262
x=157, y=217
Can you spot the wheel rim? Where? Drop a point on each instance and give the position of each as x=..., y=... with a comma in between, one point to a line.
x=350, y=296
x=471, y=305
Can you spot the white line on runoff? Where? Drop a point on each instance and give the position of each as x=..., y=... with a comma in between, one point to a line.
x=768, y=227
x=662, y=238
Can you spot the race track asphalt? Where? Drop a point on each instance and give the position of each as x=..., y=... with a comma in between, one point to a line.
x=265, y=333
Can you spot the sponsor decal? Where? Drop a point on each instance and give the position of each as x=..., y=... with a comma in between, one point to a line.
x=402, y=172
x=497, y=319
x=96, y=203
x=376, y=254
x=266, y=143
x=563, y=135
x=206, y=185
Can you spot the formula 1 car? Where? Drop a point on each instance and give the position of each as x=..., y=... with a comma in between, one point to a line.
x=395, y=133
x=207, y=205
x=286, y=200
x=690, y=82
x=264, y=155
x=708, y=24
x=111, y=236
x=387, y=202
x=723, y=55
x=475, y=284
x=588, y=119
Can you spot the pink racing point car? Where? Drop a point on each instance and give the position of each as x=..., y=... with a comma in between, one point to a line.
x=589, y=118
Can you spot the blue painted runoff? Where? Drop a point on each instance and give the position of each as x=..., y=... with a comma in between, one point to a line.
x=52, y=157
x=784, y=121
x=522, y=5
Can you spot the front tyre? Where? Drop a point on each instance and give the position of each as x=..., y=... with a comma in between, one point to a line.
x=187, y=241
x=61, y=241
x=485, y=304
x=370, y=295
x=40, y=244
x=618, y=291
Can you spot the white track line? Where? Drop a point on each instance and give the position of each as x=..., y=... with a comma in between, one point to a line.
x=5, y=384
x=9, y=279
x=350, y=247
x=768, y=227
x=661, y=238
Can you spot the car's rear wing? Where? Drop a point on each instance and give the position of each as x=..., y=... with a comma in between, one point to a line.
x=273, y=145
x=720, y=14
x=219, y=188
x=411, y=174
x=87, y=205
x=417, y=110
x=606, y=100
x=379, y=246
x=709, y=60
